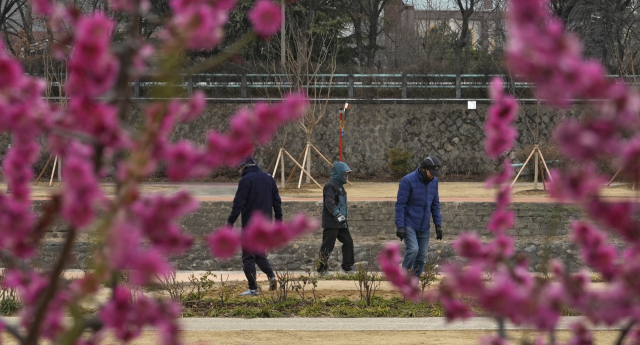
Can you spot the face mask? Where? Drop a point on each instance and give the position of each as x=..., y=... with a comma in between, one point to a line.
x=345, y=177
x=424, y=175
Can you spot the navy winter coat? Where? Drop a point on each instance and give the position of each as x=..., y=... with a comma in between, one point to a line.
x=257, y=191
x=416, y=202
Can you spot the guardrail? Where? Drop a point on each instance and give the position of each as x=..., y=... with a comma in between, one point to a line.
x=388, y=86
x=342, y=85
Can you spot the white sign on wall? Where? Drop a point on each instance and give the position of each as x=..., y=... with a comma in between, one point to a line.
x=471, y=105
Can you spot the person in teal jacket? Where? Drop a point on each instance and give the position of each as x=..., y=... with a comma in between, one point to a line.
x=334, y=219
x=417, y=202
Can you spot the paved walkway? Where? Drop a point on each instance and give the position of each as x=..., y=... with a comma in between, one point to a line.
x=357, y=324
x=352, y=324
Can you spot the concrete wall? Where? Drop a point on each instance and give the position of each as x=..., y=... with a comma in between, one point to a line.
x=541, y=232
x=449, y=131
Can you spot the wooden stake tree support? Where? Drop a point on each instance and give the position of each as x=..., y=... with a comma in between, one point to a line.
x=539, y=160
x=305, y=153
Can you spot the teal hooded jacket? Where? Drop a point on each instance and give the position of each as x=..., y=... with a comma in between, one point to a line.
x=334, y=197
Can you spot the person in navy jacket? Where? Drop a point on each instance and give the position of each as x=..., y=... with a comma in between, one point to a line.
x=417, y=201
x=257, y=192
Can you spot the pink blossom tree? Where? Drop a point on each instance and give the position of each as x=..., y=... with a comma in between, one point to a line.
x=137, y=232
x=539, y=50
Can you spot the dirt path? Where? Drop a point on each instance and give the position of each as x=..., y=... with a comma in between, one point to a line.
x=351, y=337
x=446, y=189
x=368, y=190
x=467, y=337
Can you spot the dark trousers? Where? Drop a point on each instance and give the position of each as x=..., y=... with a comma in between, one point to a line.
x=249, y=262
x=329, y=237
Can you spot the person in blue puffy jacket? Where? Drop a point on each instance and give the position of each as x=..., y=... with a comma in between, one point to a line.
x=417, y=201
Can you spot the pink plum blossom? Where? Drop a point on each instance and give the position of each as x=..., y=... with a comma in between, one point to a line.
x=389, y=262
x=83, y=193
x=575, y=184
x=157, y=217
x=265, y=18
x=126, y=316
x=224, y=242
x=501, y=221
x=261, y=235
x=93, y=68
x=500, y=134
x=10, y=70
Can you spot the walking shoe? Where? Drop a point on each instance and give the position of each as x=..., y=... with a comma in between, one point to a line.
x=273, y=284
x=348, y=272
x=250, y=293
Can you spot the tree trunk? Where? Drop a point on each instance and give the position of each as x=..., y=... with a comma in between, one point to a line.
x=457, y=65
x=357, y=32
x=372, y=45
x=309, y=165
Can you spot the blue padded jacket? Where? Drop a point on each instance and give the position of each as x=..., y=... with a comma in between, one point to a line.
x=416, y=202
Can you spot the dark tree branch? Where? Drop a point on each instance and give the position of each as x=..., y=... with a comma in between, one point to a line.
x=625, y=331
x=50, y=292
x=49, y=212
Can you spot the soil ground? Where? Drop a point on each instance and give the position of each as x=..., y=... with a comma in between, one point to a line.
x=357, y=190
x=446, y=189
x=353, y=337
x=467, y=337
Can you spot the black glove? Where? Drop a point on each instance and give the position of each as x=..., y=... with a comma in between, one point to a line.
x=438, y=232
x=341, y=218
x=400, y=233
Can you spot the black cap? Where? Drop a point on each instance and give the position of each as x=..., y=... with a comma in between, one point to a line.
x=432, y=164
x=249, y=161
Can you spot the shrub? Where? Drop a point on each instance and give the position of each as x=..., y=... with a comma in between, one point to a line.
x=399, y=161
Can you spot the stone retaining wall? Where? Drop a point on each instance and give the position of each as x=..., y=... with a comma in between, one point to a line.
x=449, y=131
x=541, y=232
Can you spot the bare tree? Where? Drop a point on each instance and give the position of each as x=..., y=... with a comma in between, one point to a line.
x=466, y=7
x=367, y=24
x=310, y=66
x=608, y=28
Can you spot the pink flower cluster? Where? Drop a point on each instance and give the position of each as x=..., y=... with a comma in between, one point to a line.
x=42, y=7
x=501, y=135
x=248, y=128
x=80, y=197
x=124, y=250
x=540, y=51
x=88, y=135
x=142, y=241
x=265, y=17
x=92, y=67
x=26, y=116
x=389, y=262
x=30, y=286
x=259, y=236
x=595, y=251
x=141, y=6
x=198, y=24
x=156, y=217
x=126, y=315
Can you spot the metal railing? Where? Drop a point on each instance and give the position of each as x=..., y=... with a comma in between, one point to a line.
x=389, y=86
x=339, y=85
